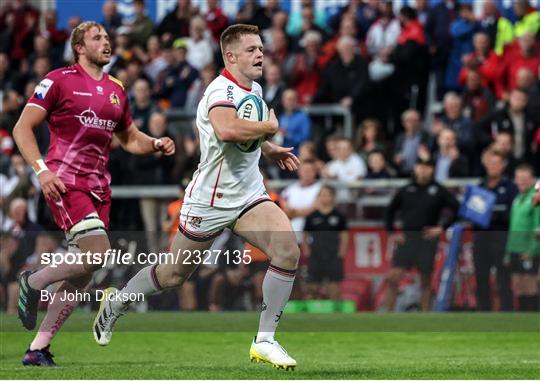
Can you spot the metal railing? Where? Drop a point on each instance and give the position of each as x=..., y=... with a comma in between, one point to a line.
x=181, y=119
x=171, y=191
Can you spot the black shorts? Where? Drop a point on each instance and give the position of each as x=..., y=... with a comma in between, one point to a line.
x=325, y=269
x=416, y=252
x=520, y=266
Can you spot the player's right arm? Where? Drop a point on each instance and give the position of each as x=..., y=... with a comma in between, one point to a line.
x=23, y=134
x=229, y=128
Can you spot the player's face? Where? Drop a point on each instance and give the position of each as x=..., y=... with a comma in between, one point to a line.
x=97, y=46
x=249, y=56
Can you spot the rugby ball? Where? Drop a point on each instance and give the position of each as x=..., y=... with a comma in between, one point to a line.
x=255, y=109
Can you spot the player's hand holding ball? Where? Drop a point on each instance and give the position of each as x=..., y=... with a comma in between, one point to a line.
x=51, y=185
x=164, y=145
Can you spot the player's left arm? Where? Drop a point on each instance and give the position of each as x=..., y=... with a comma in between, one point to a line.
x=282, y=155
x=138, y=143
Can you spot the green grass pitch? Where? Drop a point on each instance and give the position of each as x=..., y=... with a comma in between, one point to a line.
x=326, y=346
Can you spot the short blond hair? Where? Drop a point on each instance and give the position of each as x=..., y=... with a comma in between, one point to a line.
x=77, y=36
x=233, y=34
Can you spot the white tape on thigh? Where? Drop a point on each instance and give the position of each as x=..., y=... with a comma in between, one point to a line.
x=89, y=225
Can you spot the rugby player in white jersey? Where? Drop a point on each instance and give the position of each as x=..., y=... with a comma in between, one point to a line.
x=227, y=190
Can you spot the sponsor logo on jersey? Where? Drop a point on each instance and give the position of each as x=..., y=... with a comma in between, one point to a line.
x=219, y=195
x=99, y=90
x=88, y=118
x=68, y=71
x=195, y=222
x=230, y=97
x=82, y=93
x=42, y=88
x=115, y=100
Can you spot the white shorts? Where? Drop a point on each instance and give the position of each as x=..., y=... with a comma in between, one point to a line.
x=202, y=222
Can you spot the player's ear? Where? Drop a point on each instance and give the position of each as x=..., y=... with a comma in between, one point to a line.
x=230, y=56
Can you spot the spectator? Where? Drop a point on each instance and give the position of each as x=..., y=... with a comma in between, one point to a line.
x=383, y=33
x=262, y=17
x=448, y=160
x=294, y=124
x=409, y=142
x=196, y=92
x=200, y=48
x=439, y=40
x=410, y=58
x=346, y=80
x=142, y=26
x=11, y=108
x=154, y=60
x=57, y=37
x=421, y=203
x=346, y=166
x=514, y=119
x=325, y=244
x=305, y=67
x=361, y=13
x=308, y=152
x=369, y=138
x=489, y=243
x=462, y=31
x=524, y=55
x=533, y=105
x=111, y=19
x=273, y=87
x=175, y=24
x=528, y=18
x=153, y=170
x=298, y=199
x=278, y=52
x=178, y=77
x=504, y=144
x=483, y=60
x=422, y=10
x=142, y=105
x=496, y=27
x=305, y=19
x=19, y=22
x=216, y=20
x=523, y=246
x=377, y=166
x=279, y=23
x=10, y=79
x=347, y=27
x=67, y=55
x=476, y=98
x=454, y=119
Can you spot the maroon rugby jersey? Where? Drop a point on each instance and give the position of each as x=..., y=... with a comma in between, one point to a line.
x=82, y=115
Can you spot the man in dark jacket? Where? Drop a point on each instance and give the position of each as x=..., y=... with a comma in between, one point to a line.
x=513, y=119
x=489, y=243
x=346, y=79
x=421, y=204
x=410, y=58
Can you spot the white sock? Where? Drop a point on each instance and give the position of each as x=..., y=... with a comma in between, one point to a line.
x=277, y=287
x=145, y=282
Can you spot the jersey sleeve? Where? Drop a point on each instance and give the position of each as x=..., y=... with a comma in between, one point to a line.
x=217, y=97
x=46, y=93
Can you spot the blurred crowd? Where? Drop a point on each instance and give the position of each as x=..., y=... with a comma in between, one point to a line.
x=437, y=82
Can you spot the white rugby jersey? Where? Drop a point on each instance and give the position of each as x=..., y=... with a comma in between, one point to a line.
x=225, y=177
